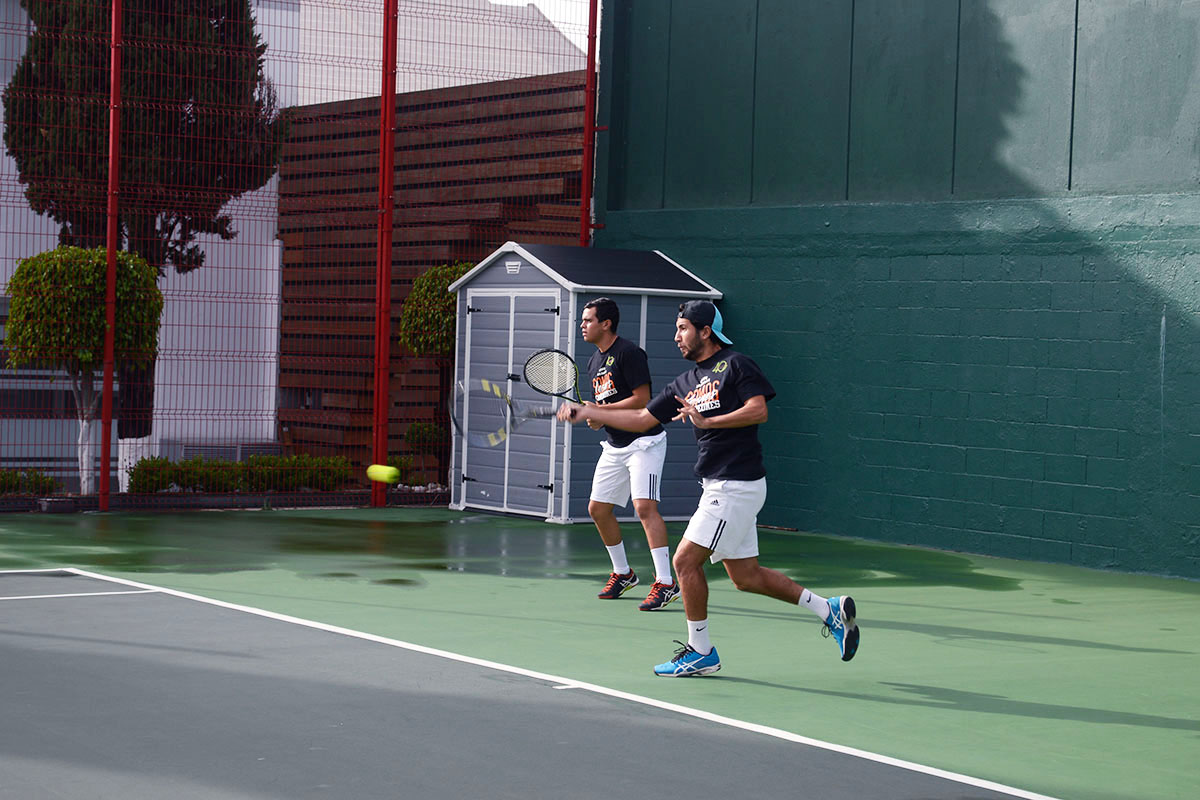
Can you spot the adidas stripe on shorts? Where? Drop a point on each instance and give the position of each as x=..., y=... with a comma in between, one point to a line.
x=635, y=469
x=726, y=519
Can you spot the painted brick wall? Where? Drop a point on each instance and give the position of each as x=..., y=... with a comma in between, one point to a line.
x=962, y=238
x=1019, y=378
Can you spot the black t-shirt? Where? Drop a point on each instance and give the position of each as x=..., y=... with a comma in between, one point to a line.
x=716, y=386
x=615, y=373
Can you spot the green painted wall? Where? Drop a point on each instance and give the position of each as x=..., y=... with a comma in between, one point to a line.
x=962, y=238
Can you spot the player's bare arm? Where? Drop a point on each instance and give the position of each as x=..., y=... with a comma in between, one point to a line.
x=635, y=420
x=639, y=399
x=753, y=412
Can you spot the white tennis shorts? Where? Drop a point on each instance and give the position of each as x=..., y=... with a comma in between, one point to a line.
x=726, y=520
x=634, y=469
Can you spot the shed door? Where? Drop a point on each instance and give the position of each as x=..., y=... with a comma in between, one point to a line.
x=515, y=475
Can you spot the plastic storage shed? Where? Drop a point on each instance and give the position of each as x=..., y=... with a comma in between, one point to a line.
x=523, y=298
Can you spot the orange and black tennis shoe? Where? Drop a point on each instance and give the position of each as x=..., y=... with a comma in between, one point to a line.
x=618, y=585
x=660, y=595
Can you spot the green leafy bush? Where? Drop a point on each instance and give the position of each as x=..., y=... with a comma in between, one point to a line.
x=404, y=464
x=187, y=473
x=150, y=475
x=57, y=317
x=221, y=477
x=10, y=481
x=27, y=482
x=38, y=483
x=328, y=473
x=216, y=476
x=258, y=474
x=428, y=319
x=425, y=437
x=266, y=474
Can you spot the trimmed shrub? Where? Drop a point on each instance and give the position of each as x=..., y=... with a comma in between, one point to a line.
x=216, y=476
x=150, y=475
x=265, y=473
x=427, y=321
x=38, y=483
x=27, y=482
x=404, y=464
x=329, y=473
x=258, y=474
x=425, y=437
x=10, y=481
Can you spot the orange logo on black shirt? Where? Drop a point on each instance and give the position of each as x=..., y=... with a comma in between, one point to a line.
x=603, y=386
x=706, y=396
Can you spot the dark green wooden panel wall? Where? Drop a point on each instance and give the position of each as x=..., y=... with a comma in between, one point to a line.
x=801, y=101
x=638, y=134
x=728, y=103
x=904, y=60
x=710, y=104
x=1013, y=126
x=1137, y=112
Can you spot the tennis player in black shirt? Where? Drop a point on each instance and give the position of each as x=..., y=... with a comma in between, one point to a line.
x=725, y=397
x=630, y=464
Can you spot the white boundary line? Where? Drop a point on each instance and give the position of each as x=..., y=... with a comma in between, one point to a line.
x=76, y=594
x=567, y=683
x=34, y=571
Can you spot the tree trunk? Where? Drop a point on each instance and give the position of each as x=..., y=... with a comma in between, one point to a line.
x=443, y=445
x=83, y=387
x=87, y=457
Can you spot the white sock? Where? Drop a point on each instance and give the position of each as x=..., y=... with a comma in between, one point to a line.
x=698, y=636
x=814, y=603
x=619, y=560
x=662, y=565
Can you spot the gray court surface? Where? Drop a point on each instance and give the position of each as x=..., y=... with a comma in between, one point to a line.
x=114, y=692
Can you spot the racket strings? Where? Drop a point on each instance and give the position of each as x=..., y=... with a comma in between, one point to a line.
x=550, y=372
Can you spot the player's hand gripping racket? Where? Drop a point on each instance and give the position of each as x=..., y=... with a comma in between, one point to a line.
x=485, y=416
x=553, y=372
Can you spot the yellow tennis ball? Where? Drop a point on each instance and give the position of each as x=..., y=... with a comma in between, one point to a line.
x=383, y=473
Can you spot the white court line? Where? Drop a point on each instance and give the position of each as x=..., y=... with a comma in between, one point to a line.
x=76, y=594
x=566, y=683
x=32, y=571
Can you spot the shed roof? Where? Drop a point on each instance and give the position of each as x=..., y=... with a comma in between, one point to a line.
x=599, y=270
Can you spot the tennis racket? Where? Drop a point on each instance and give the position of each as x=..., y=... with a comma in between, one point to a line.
x=553, y=372
x=494, y=415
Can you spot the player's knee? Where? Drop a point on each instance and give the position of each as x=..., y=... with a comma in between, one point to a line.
x=598, y=510
x=748, y=581
x=683, y=563
x=647, y=510
x=743, y=585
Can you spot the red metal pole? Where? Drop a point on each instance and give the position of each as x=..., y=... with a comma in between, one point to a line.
x=110, y=299
x=589, y=133
x=383, y=265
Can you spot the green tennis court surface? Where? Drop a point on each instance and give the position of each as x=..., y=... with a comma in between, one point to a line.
x=1060, y=681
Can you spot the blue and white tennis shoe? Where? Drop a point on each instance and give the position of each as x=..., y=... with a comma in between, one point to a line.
x=687, y=662
x=840, y=624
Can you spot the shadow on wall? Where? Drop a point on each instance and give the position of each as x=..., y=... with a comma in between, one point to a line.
x=1028, y=384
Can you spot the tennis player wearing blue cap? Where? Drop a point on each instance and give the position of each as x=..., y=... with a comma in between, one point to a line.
x=725, y=397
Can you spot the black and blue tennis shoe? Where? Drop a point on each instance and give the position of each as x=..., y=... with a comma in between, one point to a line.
x=687, y=663
x=840, y=624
